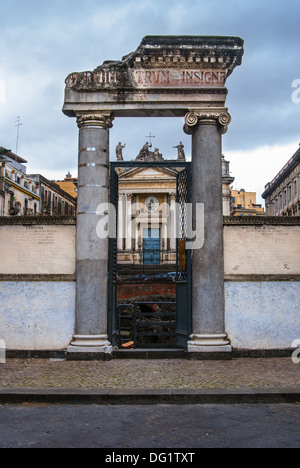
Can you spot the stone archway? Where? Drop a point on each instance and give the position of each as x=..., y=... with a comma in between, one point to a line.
x=167, y=76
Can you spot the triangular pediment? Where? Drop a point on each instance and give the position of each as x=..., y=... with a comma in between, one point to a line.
x=148, y=173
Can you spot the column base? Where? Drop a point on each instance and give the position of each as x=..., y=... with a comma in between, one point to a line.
x=89, y=347
x=209, y=344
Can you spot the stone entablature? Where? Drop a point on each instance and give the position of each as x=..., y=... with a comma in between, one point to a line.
x=166, y=61
x=166, y=74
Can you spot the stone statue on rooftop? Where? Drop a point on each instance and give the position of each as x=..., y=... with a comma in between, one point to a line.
x=146, y=155
x=181, y=153
x=119, y=151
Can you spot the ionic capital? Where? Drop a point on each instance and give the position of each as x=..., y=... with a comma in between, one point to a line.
x=103, y=119
x=209, y=116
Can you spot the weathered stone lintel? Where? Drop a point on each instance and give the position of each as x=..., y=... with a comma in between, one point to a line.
x=161, y=102
x=164, y=77
x=172, y=61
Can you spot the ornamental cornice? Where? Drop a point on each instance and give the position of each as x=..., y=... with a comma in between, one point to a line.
x=166, y=61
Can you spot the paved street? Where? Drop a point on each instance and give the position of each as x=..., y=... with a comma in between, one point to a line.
x=150, y=374
x=58, y=403
x=162, y=426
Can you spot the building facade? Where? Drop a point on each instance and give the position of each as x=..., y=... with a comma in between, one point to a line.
x=23, y=194
x=68, y=185
x=20, y=194
x=53, y=200
x=146, y=198
x=243, y=203
x=282, y=195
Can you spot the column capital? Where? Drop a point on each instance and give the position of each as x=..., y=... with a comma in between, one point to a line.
x=99, y=119
x=207, y=116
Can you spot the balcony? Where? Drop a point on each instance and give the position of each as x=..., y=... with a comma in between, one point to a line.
x=14, y=209
x=19, y=181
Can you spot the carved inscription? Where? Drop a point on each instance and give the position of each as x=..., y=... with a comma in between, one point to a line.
x=148, y=78
x=267, y=250
x=37, y=250
x=179, y=78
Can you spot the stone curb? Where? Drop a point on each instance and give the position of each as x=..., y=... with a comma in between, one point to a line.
x=150, y=396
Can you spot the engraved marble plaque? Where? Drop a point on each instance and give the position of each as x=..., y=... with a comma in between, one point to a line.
x=37, y=249
x=262, y=250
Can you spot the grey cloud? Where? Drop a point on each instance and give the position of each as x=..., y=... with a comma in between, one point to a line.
x=42, y=42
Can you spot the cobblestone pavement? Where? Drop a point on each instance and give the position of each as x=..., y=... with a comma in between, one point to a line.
x=150, y=374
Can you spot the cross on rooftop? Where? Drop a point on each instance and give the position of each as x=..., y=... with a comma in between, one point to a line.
x=150, y=136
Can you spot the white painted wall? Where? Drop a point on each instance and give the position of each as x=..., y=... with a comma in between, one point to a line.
x=37, y=316
x=262, y=315
x=41, y=315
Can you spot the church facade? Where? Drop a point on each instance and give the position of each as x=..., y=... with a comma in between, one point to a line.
x=147, y=197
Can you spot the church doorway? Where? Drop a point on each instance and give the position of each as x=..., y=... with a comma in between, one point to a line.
x=151, y=246
x=149, y=265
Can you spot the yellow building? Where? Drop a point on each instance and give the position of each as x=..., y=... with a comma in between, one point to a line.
x=244, y=204
x=19, y=194
x=69, y=185
x=146, y=196
x=23, y=194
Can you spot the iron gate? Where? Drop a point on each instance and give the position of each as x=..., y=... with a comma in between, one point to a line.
x=174, y=320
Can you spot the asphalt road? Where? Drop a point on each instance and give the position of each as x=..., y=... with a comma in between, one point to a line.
x=152, y=427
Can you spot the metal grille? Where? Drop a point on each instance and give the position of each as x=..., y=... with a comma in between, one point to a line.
x=182, y=198
x=152, y=324
x=147, y=324
x=113, y=228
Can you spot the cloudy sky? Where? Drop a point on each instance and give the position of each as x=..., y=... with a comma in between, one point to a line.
x=42, y=42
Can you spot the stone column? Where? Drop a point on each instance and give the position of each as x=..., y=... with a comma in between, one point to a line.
x=92, y=250
x=208, y=300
